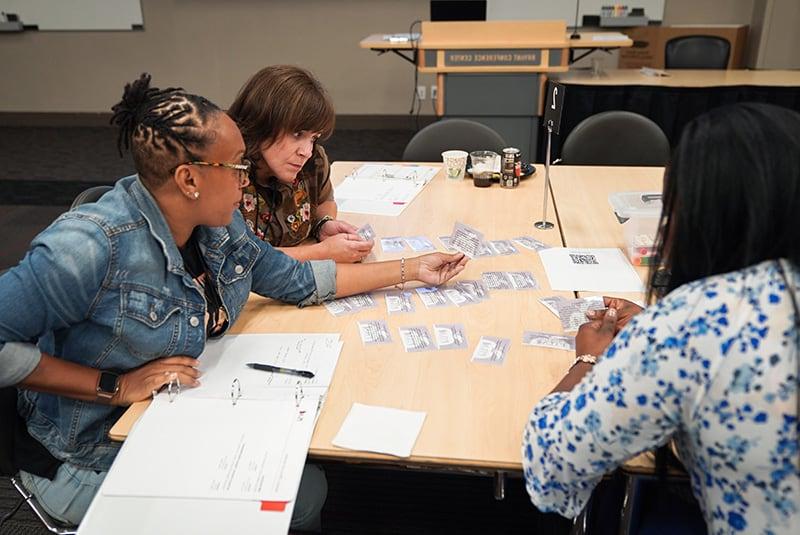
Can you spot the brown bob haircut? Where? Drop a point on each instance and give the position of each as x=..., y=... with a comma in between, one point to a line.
x=277, y=100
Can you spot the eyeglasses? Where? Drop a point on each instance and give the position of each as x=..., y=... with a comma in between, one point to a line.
x=243, y=169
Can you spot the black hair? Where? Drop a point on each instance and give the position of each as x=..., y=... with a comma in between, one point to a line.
x=731, y=194
x=161, y=127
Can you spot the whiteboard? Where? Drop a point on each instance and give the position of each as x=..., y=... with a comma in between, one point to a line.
x=76, y=14
x=562, y=9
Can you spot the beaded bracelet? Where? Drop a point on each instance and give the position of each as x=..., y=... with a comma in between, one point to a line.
x=402, y=284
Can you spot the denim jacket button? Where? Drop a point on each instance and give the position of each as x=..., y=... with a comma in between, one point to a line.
x=193, y=321
x=153, y=315
x=239, y=270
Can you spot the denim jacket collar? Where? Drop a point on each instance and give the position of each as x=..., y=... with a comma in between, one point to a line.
x=212, y=238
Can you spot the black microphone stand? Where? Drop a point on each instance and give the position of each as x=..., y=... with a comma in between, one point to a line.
x=575, y=34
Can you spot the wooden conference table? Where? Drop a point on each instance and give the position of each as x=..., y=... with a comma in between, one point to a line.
x=475, y=412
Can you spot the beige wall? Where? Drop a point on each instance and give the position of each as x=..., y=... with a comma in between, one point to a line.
x=707, y=11
x=776, y=39
x=210, y=47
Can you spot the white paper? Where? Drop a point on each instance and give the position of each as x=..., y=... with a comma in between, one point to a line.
x=590, y=270
x=209, y=448
x=609, y=37
x=380, y=430
x=382, y=189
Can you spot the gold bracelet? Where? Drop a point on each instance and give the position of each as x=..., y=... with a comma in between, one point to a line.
x=402, y=284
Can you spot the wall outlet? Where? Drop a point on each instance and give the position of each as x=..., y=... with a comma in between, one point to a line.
x=421, y=92
x=434, y=92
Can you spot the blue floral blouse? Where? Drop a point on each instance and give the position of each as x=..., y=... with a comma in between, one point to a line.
x=713, y=365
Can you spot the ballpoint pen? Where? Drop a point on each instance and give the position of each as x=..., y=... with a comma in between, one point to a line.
x=277, y=369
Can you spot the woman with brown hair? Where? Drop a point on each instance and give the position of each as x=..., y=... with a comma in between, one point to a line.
x=282, y=112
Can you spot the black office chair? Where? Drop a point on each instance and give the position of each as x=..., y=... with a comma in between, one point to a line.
x=616, y=138
x=697, y=52
x=14, y=437
x=90, y=195
x=459, y=134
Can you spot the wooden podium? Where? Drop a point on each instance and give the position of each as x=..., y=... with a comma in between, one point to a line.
x=493, y=72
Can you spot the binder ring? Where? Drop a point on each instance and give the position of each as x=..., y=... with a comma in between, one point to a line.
x=236, y=391
x=298, y=394
x=298, y=397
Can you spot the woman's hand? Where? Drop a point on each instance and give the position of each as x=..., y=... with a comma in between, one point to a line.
x=594, y=337
x=140, y=383
x=625, y=311
x=438, y=268
x=346, y=248
x=333, y=227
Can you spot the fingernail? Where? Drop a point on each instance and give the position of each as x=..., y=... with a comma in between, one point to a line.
x=612, y=313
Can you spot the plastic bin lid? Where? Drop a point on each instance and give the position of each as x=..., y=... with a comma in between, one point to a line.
x=627, y=204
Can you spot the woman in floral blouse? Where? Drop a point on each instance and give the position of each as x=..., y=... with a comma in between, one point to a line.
x=713, y=364
x=282, y=112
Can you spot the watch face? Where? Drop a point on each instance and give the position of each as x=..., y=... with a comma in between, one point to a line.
x=108, y=384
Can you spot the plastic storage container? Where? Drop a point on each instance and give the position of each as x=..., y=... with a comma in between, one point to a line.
x=639, y=212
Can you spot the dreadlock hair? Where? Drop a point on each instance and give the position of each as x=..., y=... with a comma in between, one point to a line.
x=161, y=127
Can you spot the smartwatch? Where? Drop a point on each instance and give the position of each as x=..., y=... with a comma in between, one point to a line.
x=107, y=384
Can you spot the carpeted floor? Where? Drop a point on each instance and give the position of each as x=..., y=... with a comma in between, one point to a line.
x=43, y=169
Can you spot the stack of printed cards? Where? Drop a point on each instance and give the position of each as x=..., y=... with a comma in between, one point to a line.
x=396, y=244
x=507, y=280
x=450, y=336
x=554, y=341
x=467, y=240
x=572, y=312
x=374, y=332
x=350, y=305
x=491, y=350
x=399, y=302
x=432, y=297
x=416, y=338
x=531, y=243
x=366, y=232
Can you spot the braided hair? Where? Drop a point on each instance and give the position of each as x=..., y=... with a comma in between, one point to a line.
x=161, y=127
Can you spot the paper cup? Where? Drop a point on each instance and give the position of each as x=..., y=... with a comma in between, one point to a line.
x=455, y=163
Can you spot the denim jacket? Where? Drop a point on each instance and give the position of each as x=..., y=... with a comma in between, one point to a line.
x=105, y=286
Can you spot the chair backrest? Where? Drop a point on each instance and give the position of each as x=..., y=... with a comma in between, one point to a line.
x=697, y=52
x=90, y=195
x=616, y=138
x=458, y=134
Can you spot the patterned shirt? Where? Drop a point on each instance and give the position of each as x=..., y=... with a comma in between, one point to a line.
x=713, y=365
x=283, y=214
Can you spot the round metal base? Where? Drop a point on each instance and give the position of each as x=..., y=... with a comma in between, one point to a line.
x=543, y=225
